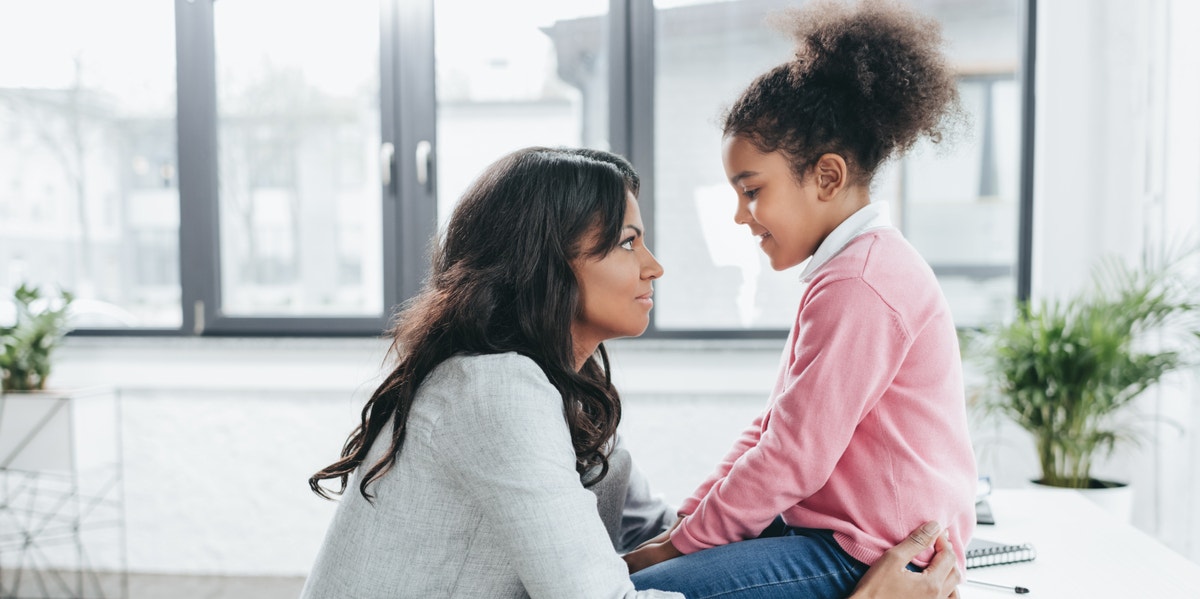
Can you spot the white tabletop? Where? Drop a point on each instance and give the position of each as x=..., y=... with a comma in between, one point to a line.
x=1082, y=551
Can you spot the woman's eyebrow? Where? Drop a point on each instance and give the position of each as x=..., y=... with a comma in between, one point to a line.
x=635, y=228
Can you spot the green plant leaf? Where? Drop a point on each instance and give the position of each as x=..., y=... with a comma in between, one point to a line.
x=25, y=357
x=1067, y=370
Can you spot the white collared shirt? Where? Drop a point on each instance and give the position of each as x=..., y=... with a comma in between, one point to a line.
x=872, y=216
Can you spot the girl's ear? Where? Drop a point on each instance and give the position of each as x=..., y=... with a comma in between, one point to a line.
x=831, y=176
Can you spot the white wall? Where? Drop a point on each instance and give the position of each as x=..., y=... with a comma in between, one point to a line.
x=1180, y=527
x=221, y=435
x=1118, y=172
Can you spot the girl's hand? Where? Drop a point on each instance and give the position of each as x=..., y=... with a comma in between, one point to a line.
x=662, y=536
x=649, y=553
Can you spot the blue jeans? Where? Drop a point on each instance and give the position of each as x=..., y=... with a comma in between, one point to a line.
x=784, y=562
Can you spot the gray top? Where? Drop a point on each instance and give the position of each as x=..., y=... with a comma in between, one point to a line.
x=484, y=501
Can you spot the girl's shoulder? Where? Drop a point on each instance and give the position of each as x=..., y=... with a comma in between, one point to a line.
x=880, y=247
x=882, y=265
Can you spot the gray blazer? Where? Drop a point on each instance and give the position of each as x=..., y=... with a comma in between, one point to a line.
x=484, y=501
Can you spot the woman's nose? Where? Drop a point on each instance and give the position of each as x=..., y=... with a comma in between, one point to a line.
x=651, y=269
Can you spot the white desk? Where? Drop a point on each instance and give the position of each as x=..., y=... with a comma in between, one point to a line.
x=1082, y=551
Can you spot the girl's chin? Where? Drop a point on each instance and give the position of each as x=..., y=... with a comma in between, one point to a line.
x=782, y=265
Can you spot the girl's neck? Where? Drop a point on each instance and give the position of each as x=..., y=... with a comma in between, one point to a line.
x=854, y=198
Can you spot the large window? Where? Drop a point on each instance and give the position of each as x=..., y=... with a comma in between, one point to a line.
x=957, y=204
x=280, y=166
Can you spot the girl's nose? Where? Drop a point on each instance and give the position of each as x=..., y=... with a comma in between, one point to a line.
x=742, y=215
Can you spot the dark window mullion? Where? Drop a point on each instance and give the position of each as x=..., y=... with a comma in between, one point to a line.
x=389, y=88
x=416, y=136
x=641, y=67
x=631, y=92
x=197, y=146
x=1025, y=195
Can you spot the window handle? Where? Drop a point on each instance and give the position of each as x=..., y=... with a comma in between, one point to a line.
x=422, y=155
x=387, y=155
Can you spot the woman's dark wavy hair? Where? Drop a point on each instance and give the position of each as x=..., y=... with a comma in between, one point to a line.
x=501, y=281
x=867, y=81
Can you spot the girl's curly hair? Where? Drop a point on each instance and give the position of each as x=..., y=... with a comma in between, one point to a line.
x=867, y=81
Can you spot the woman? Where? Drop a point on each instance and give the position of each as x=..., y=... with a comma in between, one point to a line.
x=471, y=459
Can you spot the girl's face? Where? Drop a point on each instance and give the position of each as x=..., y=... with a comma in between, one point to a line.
x=615, y=289
x=787, y=216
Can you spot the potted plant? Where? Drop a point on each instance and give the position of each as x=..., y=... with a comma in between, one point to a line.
x=1068, y=371
x=26, y=345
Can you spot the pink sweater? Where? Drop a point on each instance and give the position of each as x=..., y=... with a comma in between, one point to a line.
x=865, y=433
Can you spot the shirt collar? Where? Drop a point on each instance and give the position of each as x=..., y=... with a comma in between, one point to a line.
x=872, y=216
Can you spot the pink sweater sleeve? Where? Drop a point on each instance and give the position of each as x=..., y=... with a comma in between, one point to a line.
x=846, y=351
x=748, y=438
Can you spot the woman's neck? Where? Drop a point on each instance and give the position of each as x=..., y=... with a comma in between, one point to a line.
x=582, y=353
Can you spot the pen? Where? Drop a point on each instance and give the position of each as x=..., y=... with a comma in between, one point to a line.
x=1017, y=590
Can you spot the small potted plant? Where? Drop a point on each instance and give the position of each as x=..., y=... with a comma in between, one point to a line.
x=26, y=345
x=1069, y=371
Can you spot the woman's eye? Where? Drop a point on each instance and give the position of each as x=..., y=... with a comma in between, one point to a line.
x=751, y=193
x=627, y=244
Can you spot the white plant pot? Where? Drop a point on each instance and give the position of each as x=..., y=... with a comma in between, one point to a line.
x=1115, y=497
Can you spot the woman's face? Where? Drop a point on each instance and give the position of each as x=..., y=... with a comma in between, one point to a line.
x=615, y=289
x=787, y=216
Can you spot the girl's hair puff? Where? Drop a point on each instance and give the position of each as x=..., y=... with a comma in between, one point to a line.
x=867, y=81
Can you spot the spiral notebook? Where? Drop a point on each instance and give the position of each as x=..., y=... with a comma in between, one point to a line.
x=981, y=553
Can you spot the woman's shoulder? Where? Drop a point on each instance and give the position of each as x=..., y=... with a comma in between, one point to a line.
x=488, y=369
x=510, y=359
x=492, y=383
x=482, y=404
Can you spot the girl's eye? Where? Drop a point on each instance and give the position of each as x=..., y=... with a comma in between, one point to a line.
x=627, y=244
x=751, y=193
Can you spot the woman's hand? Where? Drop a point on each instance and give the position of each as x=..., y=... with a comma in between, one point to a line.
x=651, y=552
x=889, y=576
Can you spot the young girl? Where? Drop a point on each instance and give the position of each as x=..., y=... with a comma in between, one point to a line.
x=865, y=434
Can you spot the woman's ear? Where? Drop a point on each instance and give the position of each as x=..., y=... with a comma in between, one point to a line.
x=831, y=175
